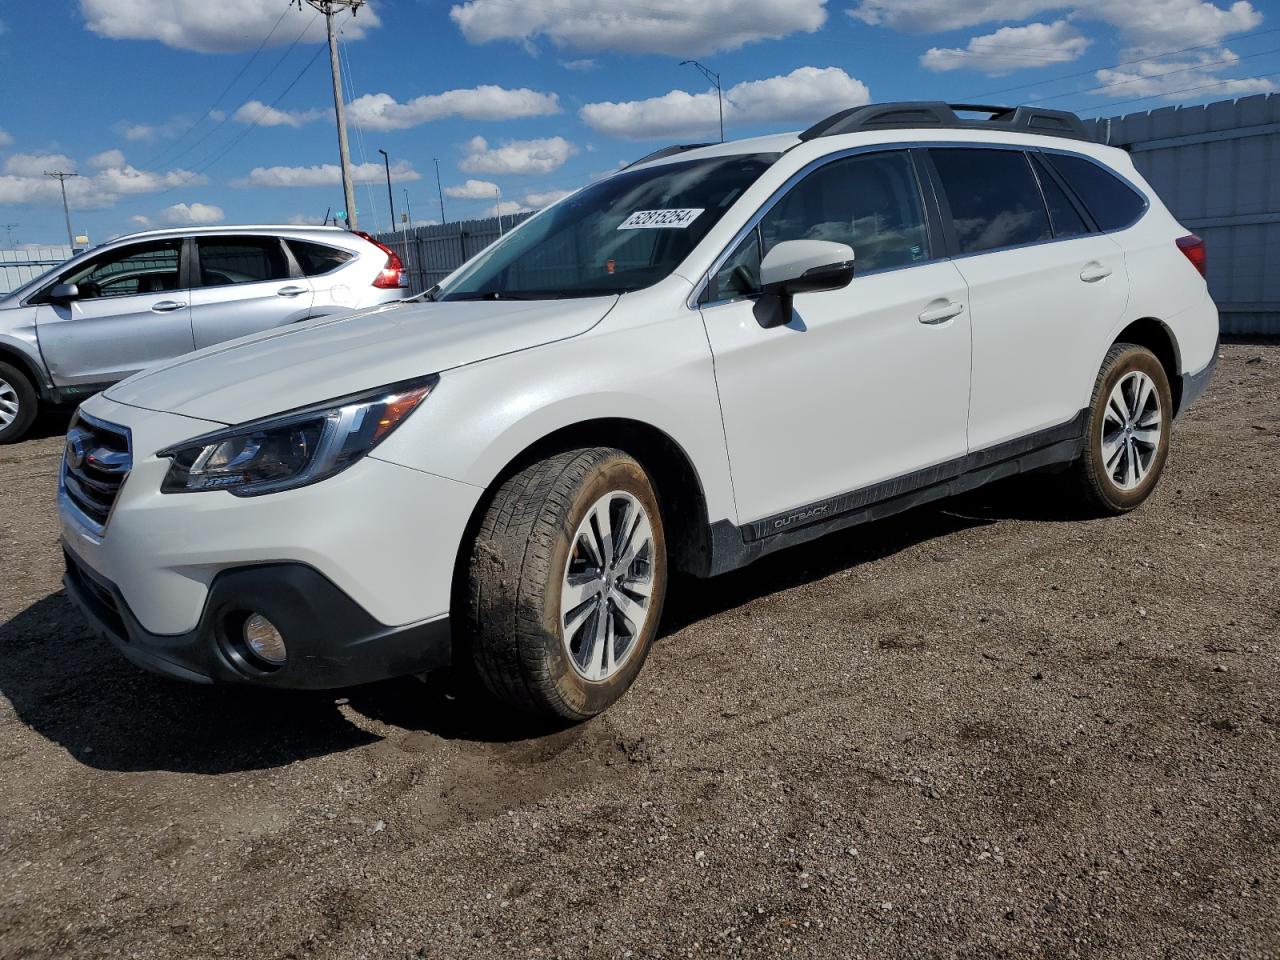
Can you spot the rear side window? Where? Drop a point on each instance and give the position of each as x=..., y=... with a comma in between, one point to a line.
x=995, y=200
x=227, y=260
x=1111, y=202
x=1063, y=214
x=316, y=258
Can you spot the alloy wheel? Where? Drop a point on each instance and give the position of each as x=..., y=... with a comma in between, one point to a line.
x=8, y=404
x=608, y=585
x=1131, y=428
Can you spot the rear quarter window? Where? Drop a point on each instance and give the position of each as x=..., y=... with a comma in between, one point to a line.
x=316, y=258
x=1111, y=202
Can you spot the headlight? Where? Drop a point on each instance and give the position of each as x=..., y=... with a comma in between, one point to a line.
x=292, y=449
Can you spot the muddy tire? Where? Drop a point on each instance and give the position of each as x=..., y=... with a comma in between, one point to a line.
x=565, y=584
x=1127, y=432
x=17, y=403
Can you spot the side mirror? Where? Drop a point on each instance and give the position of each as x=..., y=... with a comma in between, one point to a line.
x=64, y=293
x=804, y=266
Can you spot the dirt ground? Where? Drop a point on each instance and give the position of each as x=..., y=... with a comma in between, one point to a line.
x=984, y=729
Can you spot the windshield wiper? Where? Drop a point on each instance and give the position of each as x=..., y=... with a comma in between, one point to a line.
x=503, y=295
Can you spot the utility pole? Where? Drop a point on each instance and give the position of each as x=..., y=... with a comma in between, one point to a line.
x=439, y=189
x=714, y=78
x=328, y=7
x=498, y=208
x=408, y=213
x=386, y=162
x=9, y=227
x=62, y=179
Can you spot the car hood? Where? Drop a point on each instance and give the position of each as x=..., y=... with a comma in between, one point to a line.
x=309, y=362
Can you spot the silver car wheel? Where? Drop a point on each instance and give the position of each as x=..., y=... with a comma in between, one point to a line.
x=1131, y=428
x=9, y=404
x=607, y=587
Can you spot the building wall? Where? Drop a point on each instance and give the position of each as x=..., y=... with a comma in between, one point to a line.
x=1217, y=167
x=19, y=266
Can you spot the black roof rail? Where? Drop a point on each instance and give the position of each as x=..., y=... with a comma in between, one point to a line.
x=926, y=114
x=670, y=151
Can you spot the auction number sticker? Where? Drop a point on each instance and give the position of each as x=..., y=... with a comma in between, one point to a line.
x=660, y=219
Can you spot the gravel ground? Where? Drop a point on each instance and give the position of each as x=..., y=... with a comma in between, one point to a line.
x=981, y=729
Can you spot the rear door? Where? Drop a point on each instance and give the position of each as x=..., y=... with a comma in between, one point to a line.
x=244, y=284
x=133, y=311
x=1044, y=289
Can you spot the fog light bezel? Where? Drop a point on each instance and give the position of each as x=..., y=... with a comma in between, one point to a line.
x=238, y=650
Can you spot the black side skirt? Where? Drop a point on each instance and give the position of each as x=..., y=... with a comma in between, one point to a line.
x=733, y=546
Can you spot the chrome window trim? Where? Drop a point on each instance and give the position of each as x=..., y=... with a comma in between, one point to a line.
x=700, y=286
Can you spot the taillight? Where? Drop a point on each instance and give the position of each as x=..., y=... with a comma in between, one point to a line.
x=391, y=276
x=1194, y=248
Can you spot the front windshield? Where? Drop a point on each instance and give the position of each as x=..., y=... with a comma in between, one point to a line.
x=621, y=234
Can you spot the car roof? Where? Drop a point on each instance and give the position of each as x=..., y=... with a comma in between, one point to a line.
x=267, y=229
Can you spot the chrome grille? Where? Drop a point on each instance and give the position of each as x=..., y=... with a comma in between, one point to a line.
x=95, y=462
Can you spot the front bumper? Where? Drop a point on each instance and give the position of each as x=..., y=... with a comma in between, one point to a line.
x=331, y=640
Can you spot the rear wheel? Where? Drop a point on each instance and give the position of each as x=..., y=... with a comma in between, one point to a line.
x=17, y=403
x=566, y=583
x=1127, y=439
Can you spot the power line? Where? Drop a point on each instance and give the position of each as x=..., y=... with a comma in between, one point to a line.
x=267, y=76
x=1174, y=93
x=157, y=158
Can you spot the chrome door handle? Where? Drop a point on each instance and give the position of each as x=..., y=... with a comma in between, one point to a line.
x=291, y=291
x=940, y=311
x=167, y=306
x=1093, y=272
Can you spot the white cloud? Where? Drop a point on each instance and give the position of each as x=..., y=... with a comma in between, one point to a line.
x=1011, y=48
x=1147, y=26
x=227, y=26
x=142, y=221
x=580, y=65
x=546, y=198
x=473, y=190
x=325, y=175
x=1175, y=79
x=149, y=132
x=257, y=112
x=506, y=208
x=639, y=26
x=805, y=94
x=517, y=156
x=24, y=182
x=38, y=164
x=107, y=158
x=5, y=139
x=191, y=215
x=381, y=111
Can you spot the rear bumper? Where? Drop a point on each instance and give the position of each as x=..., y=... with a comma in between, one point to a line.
x=331, y=640
x=1194, y=384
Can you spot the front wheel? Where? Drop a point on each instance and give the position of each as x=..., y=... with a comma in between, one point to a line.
x=17, y=403
x=1127, y=438
x=566, y=582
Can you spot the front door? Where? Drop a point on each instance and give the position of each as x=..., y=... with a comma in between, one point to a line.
x=866, y=385
x=132, y=312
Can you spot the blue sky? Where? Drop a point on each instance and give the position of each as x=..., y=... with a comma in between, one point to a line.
x=177, y=111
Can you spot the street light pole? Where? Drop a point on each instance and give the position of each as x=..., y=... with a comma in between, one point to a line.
x=327, y=7
x=386, y=162
x=439, y=189
x=714, y=78
x=66, y=211
x=408, y=213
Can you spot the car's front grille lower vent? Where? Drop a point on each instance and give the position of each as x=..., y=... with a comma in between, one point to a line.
x=95, y=463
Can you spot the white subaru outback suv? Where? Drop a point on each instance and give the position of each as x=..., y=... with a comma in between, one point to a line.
x=718, y=352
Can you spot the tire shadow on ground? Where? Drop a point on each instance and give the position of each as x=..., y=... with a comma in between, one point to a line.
x=75, y=689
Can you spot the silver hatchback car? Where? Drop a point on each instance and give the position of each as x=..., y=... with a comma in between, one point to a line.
x=148, y=297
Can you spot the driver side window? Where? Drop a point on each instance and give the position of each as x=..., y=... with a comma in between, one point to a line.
x=870, y=202
x=142, y=268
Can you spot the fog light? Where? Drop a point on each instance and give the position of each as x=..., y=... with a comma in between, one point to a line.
x=262, y=637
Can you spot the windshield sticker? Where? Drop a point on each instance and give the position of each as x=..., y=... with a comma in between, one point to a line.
x=660, y=219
